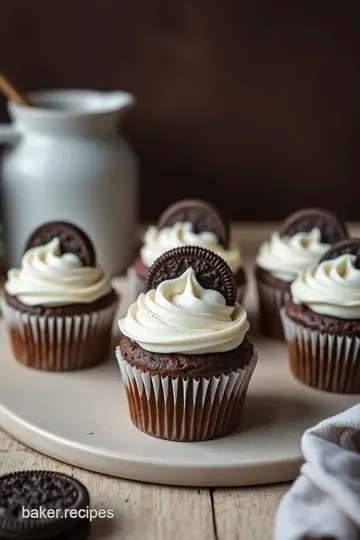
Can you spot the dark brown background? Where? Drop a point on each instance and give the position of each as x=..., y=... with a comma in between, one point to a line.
x=252, y=105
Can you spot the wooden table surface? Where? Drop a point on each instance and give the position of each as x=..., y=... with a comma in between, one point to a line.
x=151, y=512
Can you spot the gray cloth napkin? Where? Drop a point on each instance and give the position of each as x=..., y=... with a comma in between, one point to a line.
x=324, y=501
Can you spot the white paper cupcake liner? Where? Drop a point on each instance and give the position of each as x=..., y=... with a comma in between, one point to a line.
x=271, y=300
x=329, y=362
x=60, y=343
x=185, y=409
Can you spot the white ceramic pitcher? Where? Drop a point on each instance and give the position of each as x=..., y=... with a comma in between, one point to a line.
x=66, y=161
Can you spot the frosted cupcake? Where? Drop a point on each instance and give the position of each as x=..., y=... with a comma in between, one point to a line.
x=300, y=243
x=188, y=223
x=322, y=321
x=185, y=356
x=59, y=305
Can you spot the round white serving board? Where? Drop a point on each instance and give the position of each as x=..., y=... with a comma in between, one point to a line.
x=82, y=418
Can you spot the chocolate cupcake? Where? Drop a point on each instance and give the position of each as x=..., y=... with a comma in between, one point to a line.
x=301, y=241
x=59, y=306
x=185, y=356
x=188, y=223
x=322, y=321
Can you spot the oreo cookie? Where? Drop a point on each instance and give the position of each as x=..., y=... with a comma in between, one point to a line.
x=24, y=495
x=332, y=228
x=72, y=240
x=212, y=272
x=202, y=215
x=350, y=246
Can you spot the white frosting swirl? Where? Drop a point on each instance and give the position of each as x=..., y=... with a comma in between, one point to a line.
x=332, y=288
x=47, y=278
x=157, y=242
x=180, y=316
x=287, y=256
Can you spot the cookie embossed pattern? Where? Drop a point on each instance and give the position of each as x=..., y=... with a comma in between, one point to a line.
x=23, y=493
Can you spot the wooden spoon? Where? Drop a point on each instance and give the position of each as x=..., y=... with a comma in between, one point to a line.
x=9, y=90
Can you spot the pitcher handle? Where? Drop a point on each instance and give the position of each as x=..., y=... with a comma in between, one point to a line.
x=8, y=134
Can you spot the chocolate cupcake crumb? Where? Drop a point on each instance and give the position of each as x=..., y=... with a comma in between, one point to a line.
x=63, y=311
x=185, y=365
x=303, y=315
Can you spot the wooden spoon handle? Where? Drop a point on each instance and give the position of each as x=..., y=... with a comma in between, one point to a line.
x=9, y=90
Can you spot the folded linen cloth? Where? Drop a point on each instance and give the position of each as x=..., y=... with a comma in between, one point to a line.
x=324, y=501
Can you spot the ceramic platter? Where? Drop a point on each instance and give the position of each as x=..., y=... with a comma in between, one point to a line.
x=81, y=418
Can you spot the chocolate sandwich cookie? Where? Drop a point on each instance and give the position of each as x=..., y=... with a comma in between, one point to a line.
x=202, y=215
x=350, y=246
x=72, y=240
x=212, y=272
x=25, y=495
x=331, y=227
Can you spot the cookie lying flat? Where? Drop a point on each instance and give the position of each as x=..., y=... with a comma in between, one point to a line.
x=54, y=493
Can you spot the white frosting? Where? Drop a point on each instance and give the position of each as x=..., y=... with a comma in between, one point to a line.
x=287, y=256
x=332, y=288
x=157, y=242
x=180, y=316
x=47, y=278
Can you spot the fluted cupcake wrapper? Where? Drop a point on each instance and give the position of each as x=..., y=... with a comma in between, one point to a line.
x=329, y=362
x=60, y=343
x=185, y=409
x=271, y=300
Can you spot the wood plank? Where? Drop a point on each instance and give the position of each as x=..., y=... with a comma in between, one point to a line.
x=147, y=511
x=142, y=511
x=248, y=513
x=15, y=456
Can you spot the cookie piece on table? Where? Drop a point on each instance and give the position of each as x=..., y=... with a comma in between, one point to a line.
x=24, y=493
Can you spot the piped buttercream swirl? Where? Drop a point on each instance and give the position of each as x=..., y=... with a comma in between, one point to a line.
x=180, y=316
x=157, y=242
x=49, y=278
x=287, y=256
x=332, y=288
